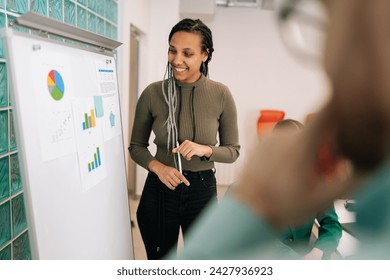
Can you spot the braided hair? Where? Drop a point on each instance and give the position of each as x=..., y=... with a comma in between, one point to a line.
x=192, y=26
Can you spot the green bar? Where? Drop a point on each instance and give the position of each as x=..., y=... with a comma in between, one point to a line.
x=86, y=120
x=98, y=155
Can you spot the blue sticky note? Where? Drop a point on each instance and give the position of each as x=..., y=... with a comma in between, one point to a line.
x=112, y=119
x=99, y=111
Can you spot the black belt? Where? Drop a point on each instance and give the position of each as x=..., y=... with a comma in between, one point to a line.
x=202, y=172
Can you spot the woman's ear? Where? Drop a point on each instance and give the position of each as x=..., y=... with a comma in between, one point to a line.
x=205, y=55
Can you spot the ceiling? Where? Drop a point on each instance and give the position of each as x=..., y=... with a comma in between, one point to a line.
x=264, y=4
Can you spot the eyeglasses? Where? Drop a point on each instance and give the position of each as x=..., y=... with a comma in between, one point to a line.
x=303, y=25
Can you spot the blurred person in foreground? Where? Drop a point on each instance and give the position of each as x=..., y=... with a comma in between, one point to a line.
x=279, y=186
x=300, y=238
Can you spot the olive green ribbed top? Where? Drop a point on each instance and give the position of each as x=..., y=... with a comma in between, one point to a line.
x=206, y=110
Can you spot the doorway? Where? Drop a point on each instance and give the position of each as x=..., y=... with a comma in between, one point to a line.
x=135, y=36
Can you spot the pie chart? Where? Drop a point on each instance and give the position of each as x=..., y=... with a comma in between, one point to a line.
x=55, y=84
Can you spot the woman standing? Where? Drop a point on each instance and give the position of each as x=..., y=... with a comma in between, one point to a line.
x=187, y=112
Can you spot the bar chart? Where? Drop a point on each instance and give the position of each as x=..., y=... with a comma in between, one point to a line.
x=89, y=120
x=96, y=161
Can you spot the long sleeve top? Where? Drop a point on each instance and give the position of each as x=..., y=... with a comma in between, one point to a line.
x=205, y=111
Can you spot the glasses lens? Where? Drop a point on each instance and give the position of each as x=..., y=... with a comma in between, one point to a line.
x=303, y=28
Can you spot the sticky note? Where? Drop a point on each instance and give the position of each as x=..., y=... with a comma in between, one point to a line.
x=99, y=111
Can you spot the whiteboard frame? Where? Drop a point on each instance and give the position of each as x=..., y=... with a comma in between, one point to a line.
x=51, y=238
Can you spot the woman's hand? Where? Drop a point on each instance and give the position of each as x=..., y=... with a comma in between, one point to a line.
x=170, y=176
x=188, y=149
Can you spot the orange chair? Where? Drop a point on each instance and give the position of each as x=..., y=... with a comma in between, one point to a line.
x=267, y=120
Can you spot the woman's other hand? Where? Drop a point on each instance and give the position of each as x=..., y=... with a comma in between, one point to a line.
x=188, y=149
x=170, y=176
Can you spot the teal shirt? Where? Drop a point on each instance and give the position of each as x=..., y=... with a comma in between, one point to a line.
x=373, y=216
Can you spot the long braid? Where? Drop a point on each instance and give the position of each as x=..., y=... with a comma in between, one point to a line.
x=171, y=99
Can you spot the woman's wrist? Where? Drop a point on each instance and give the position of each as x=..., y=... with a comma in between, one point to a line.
x=209, y=152
x=154, y=166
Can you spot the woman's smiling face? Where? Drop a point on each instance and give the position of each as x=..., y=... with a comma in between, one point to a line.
x=186, y=56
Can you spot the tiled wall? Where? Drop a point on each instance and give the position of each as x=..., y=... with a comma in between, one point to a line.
x=98, y=16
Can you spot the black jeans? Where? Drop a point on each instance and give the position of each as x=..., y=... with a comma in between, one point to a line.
x=162, y=211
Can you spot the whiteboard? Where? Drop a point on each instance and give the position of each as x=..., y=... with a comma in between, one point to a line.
x=68, y=125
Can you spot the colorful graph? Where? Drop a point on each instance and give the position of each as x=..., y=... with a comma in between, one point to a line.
x=96, y=161
x=89, y=120
x=56, y=85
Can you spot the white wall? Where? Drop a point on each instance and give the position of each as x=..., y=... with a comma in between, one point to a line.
x=136, y=12
x=252, y=60
x=249, y=57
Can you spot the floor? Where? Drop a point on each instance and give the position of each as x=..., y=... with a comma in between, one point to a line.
x=138, y=246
